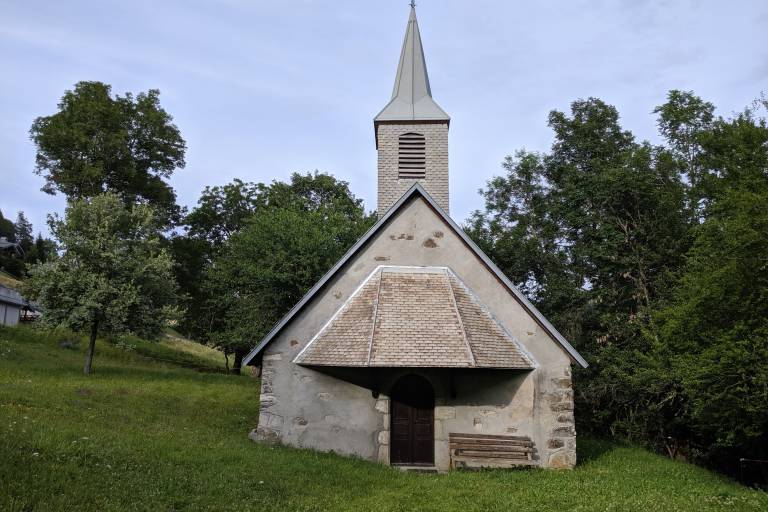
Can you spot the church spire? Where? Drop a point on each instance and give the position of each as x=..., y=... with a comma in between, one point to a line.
x=412, y=96
x=412, y=131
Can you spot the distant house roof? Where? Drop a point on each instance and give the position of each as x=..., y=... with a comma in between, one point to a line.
x=412, y=96
x=414, y=317
x=418, y=191
x=6, y=244
x=11, y=296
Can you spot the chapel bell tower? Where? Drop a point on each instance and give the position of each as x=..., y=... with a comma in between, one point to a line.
x=412, y=131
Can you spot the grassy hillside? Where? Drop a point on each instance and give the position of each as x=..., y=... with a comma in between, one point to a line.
x=143, y=434
x=179, y=343
x=8, y=280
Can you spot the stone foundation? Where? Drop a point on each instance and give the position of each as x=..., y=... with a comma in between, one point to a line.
x=382, y=436
x=270, y=425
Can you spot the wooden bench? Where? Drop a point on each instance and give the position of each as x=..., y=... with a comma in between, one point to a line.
x=484, y=450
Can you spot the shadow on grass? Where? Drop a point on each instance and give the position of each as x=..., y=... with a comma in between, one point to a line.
x=105, y=368
x=130, y=350
x=190, y=363
x=591, y=450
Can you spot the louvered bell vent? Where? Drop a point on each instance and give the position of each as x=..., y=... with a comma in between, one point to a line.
x=411, y=157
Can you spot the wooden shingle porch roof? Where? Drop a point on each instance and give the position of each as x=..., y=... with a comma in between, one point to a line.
x=414, y=317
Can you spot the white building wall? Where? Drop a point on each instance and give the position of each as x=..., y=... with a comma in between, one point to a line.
x=9, y=314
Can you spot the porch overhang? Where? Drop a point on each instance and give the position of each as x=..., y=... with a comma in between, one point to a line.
x=414, y=317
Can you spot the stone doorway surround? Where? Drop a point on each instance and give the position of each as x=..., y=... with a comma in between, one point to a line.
x=441, y=413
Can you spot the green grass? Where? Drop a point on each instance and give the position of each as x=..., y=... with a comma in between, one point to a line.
x=179, y=343
x=142, y=434
x=8, y=280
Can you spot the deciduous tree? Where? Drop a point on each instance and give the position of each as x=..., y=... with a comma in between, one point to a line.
x=651, y=259
x=295, y=234
x=113, y=275
x=98, y=142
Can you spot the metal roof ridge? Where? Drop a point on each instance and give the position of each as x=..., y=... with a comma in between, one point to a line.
x=375, y=313
x=486, y=310
x=452, y=293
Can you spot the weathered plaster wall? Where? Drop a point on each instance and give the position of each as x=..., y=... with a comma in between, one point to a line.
x=304, y=408
x=9, y=314
x=307, y=408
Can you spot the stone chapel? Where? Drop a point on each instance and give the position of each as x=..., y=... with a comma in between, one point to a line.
x=414, y=349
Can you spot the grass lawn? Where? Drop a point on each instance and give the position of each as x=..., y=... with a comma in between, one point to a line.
x=149, y=434
x=8, y=280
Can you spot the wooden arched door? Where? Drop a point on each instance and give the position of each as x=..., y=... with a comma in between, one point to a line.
x=412, y=435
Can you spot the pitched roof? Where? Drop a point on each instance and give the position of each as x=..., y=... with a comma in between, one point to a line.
x=418, y=191
x=414, y=317
x=411, y=95
x=16, y=246
x=10, y=296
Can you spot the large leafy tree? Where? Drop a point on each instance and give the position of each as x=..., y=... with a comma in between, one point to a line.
x=98, y=142
x=592, y=231
x=714, y=330
x=651, y=259
x=589, y=229
x=295, y=233
x=113, y=275
x=221, y=211
x=682, y=120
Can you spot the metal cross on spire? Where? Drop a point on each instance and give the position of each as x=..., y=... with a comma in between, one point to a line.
x=413, y=4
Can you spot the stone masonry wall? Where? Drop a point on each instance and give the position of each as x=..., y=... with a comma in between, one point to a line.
x=270, y=424
x=390, y=187
x=561, y=442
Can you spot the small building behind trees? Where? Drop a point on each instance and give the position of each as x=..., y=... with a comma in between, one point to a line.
x=11, y=305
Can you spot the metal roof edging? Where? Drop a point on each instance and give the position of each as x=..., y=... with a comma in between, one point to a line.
x=551, y=330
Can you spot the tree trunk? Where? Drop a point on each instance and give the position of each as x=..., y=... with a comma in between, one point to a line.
x=91, y=348
x=238, y=362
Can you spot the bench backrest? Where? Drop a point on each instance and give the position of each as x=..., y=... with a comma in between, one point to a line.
x=488, y=446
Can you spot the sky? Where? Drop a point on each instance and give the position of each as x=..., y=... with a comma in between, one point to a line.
x=261, y=89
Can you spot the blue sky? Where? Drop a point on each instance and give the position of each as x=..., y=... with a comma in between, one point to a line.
x=260, y=89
